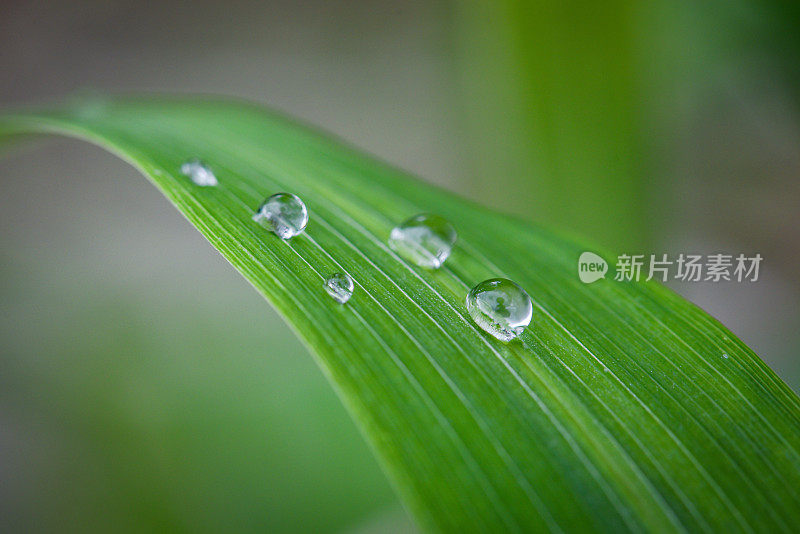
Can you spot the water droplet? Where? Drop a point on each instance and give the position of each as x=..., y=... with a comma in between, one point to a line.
x=283, y=214
x=200, y=173
x=500, y=307
x=725, y=355
x=340, y=287
x=425, y=240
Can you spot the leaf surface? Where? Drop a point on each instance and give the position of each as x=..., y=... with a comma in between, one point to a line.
x=622, y=407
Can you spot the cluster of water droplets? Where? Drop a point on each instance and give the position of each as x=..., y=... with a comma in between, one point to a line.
x=499, y=306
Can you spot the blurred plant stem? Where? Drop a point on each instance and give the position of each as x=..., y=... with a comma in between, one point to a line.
x=556, y=114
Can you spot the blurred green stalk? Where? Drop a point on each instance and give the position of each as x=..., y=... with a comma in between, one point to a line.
x=556, y=114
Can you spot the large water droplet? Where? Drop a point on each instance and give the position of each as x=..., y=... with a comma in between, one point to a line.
x=200, y=173
x=500, y=307
x=340, y=287
x=425, y=240
x=284, y=214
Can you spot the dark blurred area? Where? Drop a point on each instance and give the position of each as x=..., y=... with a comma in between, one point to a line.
x=144, y=386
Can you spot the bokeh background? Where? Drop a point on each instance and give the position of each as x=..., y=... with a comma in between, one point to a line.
x=145, y=387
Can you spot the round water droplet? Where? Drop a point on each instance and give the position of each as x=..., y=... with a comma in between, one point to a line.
x=340, y=287
x=500, y=307
x=284, y=214
x=200, y=173
x=425, y=240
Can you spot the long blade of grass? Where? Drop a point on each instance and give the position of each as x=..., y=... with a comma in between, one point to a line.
x=623, y=407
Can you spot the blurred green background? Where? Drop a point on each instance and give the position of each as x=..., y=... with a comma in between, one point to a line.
x=144, y=386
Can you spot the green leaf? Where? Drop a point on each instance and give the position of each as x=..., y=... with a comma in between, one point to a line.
x=622, y=407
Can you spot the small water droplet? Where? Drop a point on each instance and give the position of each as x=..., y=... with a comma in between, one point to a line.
x=283, y=214
x=340, y=287
x=500, y=307
x=200, y=173
x=425, y=240
x=725, y=355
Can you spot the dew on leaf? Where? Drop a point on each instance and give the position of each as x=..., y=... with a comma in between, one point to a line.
x=200, y=173
x=425, y=240
x=283, y=214
x=340, y=287
x=500, y=307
